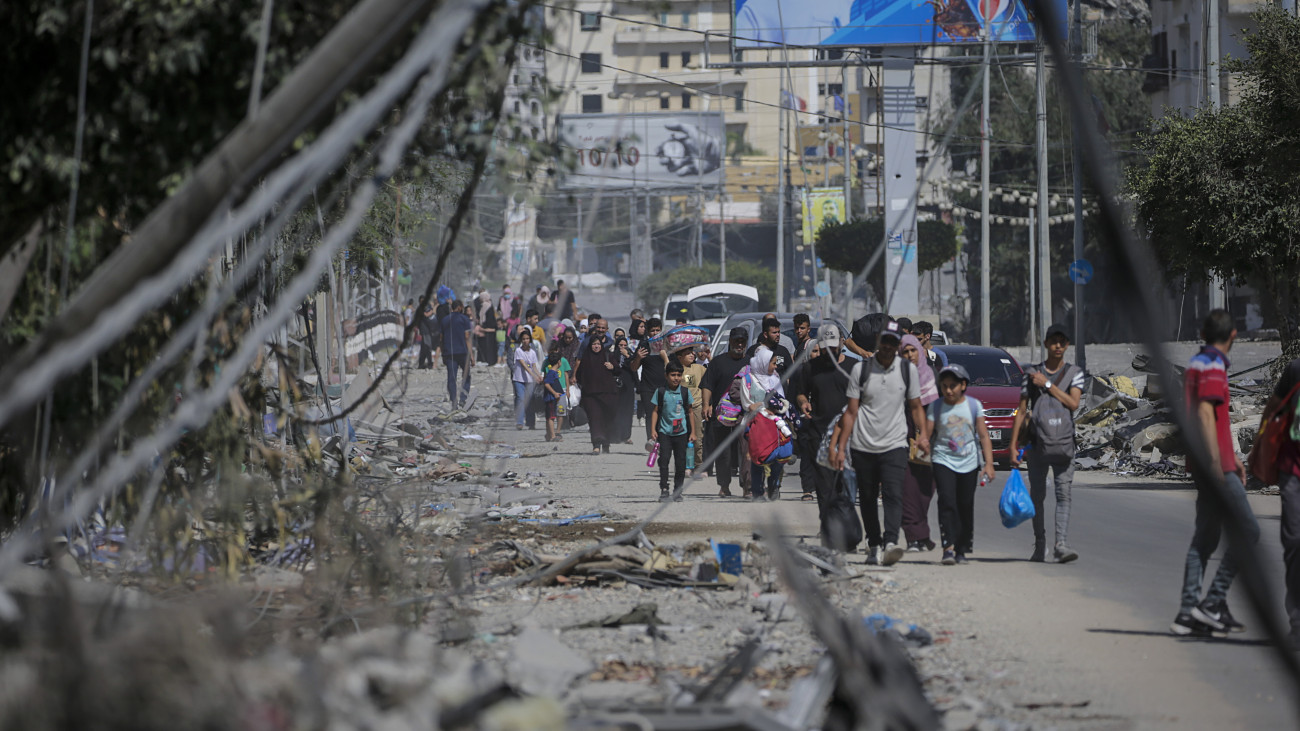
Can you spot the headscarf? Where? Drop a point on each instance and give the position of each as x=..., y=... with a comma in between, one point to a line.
x=485, y=306
x=929, y=389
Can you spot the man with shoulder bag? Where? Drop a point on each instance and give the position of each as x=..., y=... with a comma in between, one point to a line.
x=1045, y=426
x=1285, y=466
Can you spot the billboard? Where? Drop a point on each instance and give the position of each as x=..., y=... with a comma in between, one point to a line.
x=821, y=206
x=650, y=150
x=764, y=23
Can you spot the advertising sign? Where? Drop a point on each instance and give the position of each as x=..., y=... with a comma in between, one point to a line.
x=763, y=23
x=664, y=150
x=821, y=206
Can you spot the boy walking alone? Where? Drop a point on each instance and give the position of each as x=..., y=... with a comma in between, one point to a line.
x=1051, y=394
x=673, y=427
x=1207, y=401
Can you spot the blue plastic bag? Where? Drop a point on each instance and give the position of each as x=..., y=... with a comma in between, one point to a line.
x=1015, y=507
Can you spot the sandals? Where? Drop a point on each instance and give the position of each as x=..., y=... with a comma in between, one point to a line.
x=595, y=450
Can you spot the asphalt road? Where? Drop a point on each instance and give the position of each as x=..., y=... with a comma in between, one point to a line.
x=1089, y=638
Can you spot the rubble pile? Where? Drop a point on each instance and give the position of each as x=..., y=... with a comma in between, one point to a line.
x=1122, y=424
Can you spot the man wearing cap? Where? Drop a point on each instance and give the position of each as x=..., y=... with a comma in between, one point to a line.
x=874, y=436
x=717, y=380
x=1051, y=394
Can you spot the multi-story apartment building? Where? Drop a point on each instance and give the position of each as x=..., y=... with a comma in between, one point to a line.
x=1176, y=69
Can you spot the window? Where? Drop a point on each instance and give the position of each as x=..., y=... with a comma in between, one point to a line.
x=663, y=18
x=686, y=99
x=516, y=80
x=830, y=89
x=518, y=106
x=830, y=54
x=590, y=63
x=686, y=59
x=740, y=101
x=738, y=56
x=923, y=102
x=590, y=21
x=534, y=107
x=593, y=103
x=534, y=133
x=663, y=102
x=663, y=59
x=686, y=18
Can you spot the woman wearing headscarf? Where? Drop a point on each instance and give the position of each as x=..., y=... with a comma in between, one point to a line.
x=918, y=480
x=620, y=426
x=598, y=376
x=485, y=316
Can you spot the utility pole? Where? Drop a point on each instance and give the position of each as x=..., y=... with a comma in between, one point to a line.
x=780, y=201
x=1044, y=233
x=986, y=336
x=580, y=245
x=722, y=234
x=1033, y=289
x=1081, y=341
x=1217, y=296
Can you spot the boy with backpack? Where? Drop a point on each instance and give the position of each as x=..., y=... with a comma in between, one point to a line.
x=670, y=417
x=962, y=457
x=1050, y=395
x=553, y=389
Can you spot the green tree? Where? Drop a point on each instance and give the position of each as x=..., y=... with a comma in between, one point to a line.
x=846, y=247
x=658, y=286
x=1217, y=192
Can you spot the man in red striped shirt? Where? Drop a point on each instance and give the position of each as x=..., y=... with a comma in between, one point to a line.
x=1207, y=402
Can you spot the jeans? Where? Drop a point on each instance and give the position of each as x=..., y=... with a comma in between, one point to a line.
x=918, y=490
x=956, y=507
x=672, y=446
x=1209, y=527
x=1290, y=487
x=773, y=471
x=1063, y=472
x=880, y=475
x=806, y=444
x=455, y=363
x=524, y=412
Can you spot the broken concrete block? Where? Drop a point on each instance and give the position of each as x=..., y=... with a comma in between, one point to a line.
x=1163, y=436
x=542, y=665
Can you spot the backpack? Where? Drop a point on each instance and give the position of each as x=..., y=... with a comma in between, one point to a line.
x=1050, y=424
x=552, y=379
x=659, y=411
x=903, y=364
x=932, y=412
x=767, y=442
x=729, y=409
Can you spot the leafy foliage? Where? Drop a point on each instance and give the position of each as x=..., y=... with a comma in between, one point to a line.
x=846, y=247
x=1217, y=192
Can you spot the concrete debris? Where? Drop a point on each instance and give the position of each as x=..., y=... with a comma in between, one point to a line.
x=542, y=665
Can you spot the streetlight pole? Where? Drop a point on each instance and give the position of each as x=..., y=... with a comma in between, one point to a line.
x=1081, y=355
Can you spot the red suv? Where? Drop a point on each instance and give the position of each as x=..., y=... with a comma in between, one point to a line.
x=995, y=379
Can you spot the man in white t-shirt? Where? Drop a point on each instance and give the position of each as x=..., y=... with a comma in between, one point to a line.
x=874, y=427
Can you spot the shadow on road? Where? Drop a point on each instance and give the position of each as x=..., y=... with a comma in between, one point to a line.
x=1167, y=635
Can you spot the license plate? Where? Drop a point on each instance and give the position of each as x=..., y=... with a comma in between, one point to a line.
x=995, y=434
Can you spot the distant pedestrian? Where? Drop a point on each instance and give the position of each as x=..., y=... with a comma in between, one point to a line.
x=526, y=377
x=769, y=360
x=692, y=377
x=924, y=332
x=457, y=352
x=620, y=428
x=1206, y=390
x=722, y=422
x=1047, y=402
x=598, y=376
x=1283, y=400
x=669, y=409
x=486, y=330
x=427, y=326
x=874, y=439
x=918, y=482
x=651, y=359
x=553, y=391
x=962, y=458
x=822, y=397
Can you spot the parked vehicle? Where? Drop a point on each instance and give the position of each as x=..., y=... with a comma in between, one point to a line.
x=752, y=322
x=676, y=304
x=995, y=379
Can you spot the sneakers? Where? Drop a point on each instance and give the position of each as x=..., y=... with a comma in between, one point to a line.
x=664, y=495
x=873, y=555
x=949, y=558
x=893, y=554
x=1217, y=617
x=677, y=496
x=1064, y=554
x=1039, y=555
x=1186, y=625
x=961, y=559
x=914, y=547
